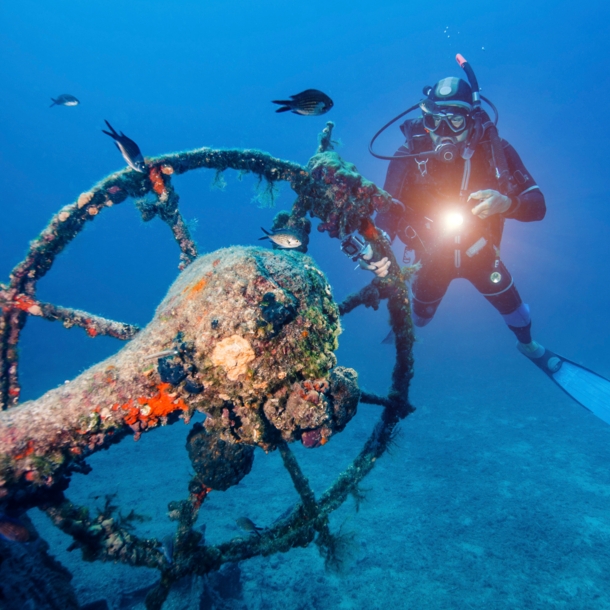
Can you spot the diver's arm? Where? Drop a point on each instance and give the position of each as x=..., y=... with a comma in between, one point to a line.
x=397, y=185
x=392, y=220
x=379, y=268
x=528, y=203
x=527, y=206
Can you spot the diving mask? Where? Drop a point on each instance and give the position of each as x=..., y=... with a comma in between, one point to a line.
x=434, y=117
x=456, y=122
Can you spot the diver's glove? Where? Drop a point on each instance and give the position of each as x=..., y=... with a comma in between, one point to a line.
x=492, y=202
x=379, y=268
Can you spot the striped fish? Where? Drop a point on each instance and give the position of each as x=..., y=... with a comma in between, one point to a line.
x=310, y=102
x=129, y=149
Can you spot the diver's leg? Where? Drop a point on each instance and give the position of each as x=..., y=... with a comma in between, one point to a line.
x=505, y=297
x=428, y=289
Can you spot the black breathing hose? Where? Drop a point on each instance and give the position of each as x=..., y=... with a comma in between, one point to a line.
x=498, y=154
x=383, y=129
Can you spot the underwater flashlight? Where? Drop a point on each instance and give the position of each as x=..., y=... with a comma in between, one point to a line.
x=453, y=220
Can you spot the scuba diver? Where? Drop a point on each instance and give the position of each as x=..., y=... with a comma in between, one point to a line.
x=455, y=182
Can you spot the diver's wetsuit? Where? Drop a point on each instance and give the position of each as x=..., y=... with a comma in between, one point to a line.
x=430, y=189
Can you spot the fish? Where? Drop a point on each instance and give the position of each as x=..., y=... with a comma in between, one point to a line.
x=248, y=525
x=285, y=238
x=13, y=530
x=310, y=102
x=129, y=149
x=65, y=99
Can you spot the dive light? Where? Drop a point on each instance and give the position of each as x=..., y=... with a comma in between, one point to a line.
x=453, y=221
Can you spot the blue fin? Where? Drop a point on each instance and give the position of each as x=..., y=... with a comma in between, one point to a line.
x=585, y=386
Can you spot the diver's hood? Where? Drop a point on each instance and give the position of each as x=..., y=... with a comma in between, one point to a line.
x=450, y=91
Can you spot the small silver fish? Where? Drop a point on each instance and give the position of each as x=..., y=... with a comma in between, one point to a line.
x=248, y=525
x=65, y=99
x=285, y=238
x=129, y=149
x=310, y=102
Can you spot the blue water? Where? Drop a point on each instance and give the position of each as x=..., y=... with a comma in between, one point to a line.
x=497, y=494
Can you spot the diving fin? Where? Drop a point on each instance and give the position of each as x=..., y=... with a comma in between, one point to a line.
x=586, y=387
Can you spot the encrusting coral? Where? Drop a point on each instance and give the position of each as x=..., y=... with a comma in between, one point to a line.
x=218, y=464
x=233, y=354
x=245, y=336
x=258, y=381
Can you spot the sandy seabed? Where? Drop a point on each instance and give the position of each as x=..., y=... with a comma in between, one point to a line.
x=495, y=496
